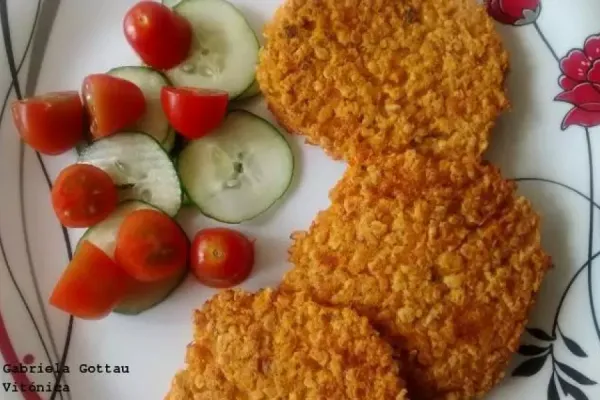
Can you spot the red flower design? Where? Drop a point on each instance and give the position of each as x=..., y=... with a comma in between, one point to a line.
x=581, y=84
x=514, y=12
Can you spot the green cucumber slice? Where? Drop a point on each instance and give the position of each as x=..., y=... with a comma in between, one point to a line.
x=224, y=51
x=140, y=167
x=239, y=171
x=170, y=3
x=169, y=143
x=186, y=201
x=104, y=234
x=144, y=295
x=252, y=91
x=154, y=122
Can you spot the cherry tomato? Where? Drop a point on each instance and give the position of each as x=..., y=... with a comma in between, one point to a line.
x=194, y=112
x=52, y=123
x=83, y=195
x=151, y=246
x=92, y=285
x=221, y=257
x=158, y=35
x=113, y=104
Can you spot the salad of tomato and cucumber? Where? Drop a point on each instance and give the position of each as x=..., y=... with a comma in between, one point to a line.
x=151, y=139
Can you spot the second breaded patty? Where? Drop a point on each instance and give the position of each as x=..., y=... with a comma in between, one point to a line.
x=441, y=256
x=273, y=346
x=363, y=78
x=202, y=379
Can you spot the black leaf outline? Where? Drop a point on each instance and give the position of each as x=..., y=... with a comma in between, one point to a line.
x=574, y=374
x=571, y=390
x=572, y=345
x=552, y=390
x=540, y=334
x=531, y=350
x=530, y=367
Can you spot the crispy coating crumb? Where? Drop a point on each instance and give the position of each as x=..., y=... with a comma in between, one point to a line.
x=202, y=379
x=441, y=256
x=365, y=77
x=273, y=346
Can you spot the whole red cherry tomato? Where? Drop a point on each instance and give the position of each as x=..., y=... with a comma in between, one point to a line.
x=221, y=257
x=158, y=35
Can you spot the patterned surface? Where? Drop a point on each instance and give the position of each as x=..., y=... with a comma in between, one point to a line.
x=548, y=141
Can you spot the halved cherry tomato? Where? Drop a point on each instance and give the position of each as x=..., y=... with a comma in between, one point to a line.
x=194, y=112
x=52, y=123
x=151, y=246
x=221, y=257
x=113, y=103
x=159, y=36
x=92, y=285
x=83, y=195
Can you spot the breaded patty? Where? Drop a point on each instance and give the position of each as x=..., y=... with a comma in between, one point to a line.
x=365, y=77
x=273, y=346
x=202, y=379
x=441, y=256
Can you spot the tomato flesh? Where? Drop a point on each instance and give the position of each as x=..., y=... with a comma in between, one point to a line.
x=92, y=285
x=194, y=113
x=52, y=123
x=161, y=37
x=151, y=246
x=83, y=195
x=221, y=257
x=113, y=104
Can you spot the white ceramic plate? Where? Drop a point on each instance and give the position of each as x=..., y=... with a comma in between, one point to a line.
x=552, y=147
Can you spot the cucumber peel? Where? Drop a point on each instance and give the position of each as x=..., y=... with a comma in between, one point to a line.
x=146, y=295
x=252, y=91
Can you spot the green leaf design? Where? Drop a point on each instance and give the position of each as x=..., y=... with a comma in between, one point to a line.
x=530, y=367
x=530, y=350
x=552, y=390
x=571, y=390
x=573, y=346
x=540, y=334
x=575, y=375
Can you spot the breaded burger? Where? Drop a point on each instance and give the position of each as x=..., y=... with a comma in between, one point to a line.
x=362, y=78
x=272, y=346
x=442, y=257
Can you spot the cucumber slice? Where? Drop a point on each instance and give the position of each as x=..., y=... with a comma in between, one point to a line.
x=169, y=143
x=238, y=171
x=104, y=234
x=144, y=295
x=154, y=122
x=224, y=51
x=186, y=202
x=140, y=167
x=252, y=91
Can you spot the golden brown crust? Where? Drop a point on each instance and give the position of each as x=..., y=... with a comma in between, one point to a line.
x=361, y=78
x=441, y=256
x=202, y=379
x=273, y=346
